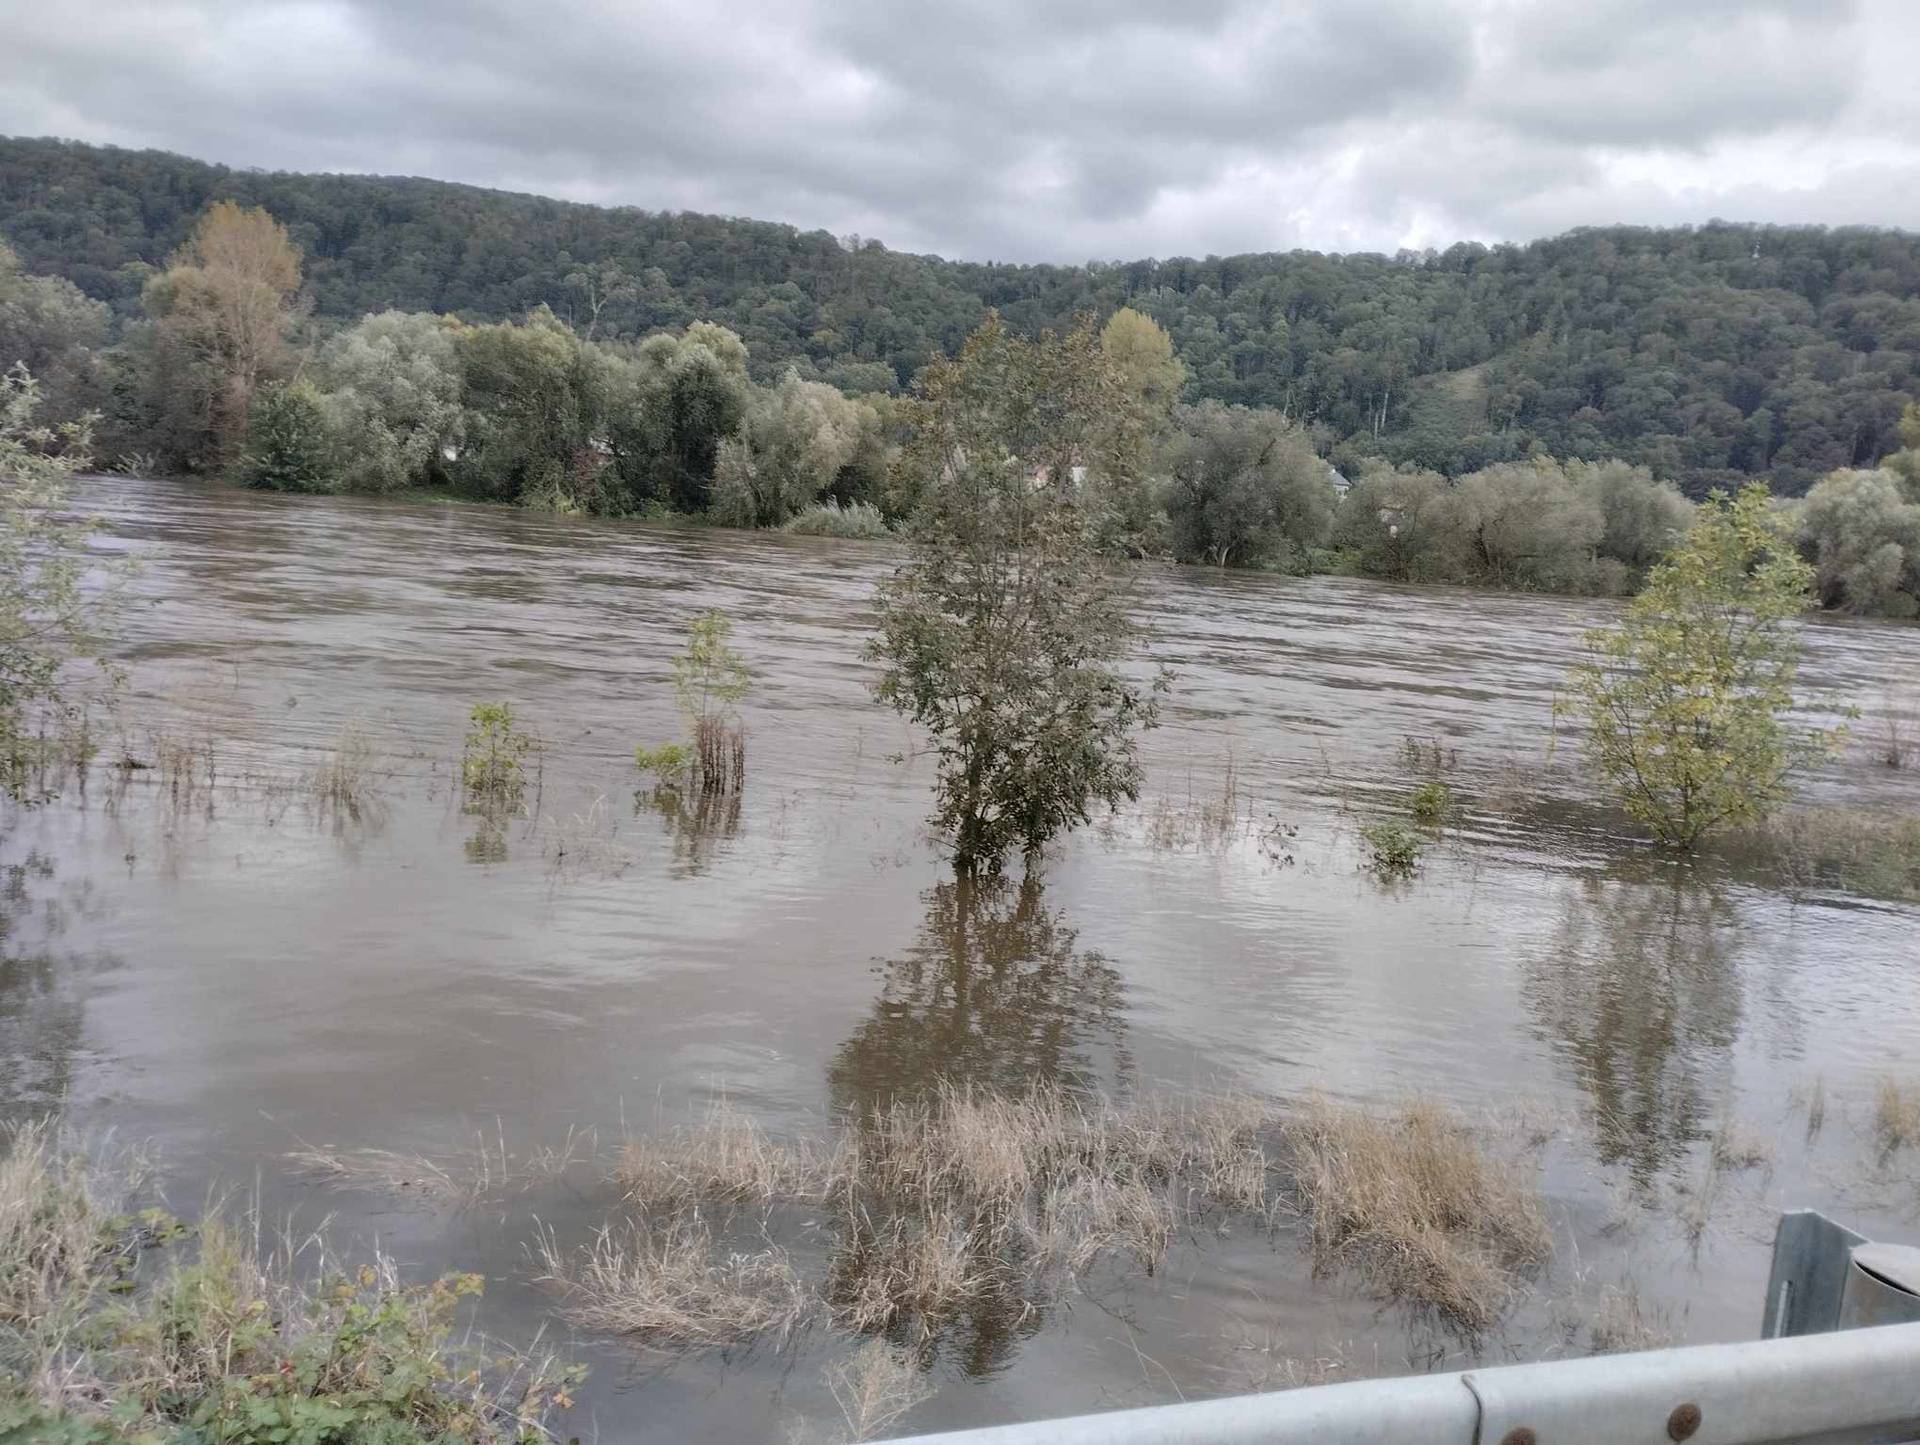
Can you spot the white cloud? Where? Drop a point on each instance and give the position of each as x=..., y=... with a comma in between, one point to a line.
x=1005, y=130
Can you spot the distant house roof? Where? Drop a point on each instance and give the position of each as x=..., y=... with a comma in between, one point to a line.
x=1341, y=485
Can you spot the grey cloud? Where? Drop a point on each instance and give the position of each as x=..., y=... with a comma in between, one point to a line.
x=1009, y=130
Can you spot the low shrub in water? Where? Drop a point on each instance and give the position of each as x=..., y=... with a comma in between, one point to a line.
x=1430, y=802
x=493, y=767
x=856, y=521
x=1393, y=849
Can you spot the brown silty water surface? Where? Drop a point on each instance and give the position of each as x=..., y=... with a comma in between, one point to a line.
x=233, y=975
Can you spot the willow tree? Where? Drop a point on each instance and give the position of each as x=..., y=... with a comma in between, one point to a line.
x=1686, y=700
x=1006, y=633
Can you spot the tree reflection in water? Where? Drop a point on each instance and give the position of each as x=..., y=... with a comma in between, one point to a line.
x=697, y=821
x=993, y=996
x=41, y=1010
x=1639, y=984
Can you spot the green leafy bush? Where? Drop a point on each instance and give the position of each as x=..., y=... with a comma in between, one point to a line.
x=493, y=768
x=856, y=521
x=670, y=763
x=289, y=443
x=1430, y=802
x=1393, y=849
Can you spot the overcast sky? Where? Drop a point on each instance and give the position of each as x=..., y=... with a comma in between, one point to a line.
x=997, y=129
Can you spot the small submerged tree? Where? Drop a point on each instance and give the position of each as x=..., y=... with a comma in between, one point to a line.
x=49, y=620
x=1005, y=634
x=1686, y=699
x=709, y=679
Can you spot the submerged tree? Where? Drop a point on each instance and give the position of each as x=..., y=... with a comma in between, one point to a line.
x=1686, y=700
x=1005, y=634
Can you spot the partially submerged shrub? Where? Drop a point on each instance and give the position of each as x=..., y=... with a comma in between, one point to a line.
x=1393, y=849
x=1430, y=802
x=1687, y=699
x=670, y=763
x=856, y=521
x=1415, y=1202
x=493, y=761
x=709, y=678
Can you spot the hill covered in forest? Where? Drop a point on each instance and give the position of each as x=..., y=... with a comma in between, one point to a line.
x=1709, y=354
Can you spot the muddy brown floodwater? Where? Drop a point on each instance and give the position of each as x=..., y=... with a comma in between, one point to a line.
x=230, y=976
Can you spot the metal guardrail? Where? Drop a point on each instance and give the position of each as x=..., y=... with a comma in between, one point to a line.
x=1814, y=1380
x=1849, y=1387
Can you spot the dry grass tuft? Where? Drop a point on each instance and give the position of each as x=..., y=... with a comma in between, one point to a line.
x=673, y=1285
x=918, y=1269
x=726, y=1158
x=1896, y=1114
x=346, y=785
x=967, y=1199
x=1414, y=1202
x=56, y=1228
x=1735, y=1146
x=875, y=1386
x=1622, y=1322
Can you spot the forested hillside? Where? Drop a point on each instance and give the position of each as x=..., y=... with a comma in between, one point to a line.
x=1708, y=354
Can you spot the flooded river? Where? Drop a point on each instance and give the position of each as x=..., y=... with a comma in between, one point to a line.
x=234, y=977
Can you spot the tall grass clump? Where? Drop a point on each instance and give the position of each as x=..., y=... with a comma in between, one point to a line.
x=217, y=1342
x=346, y=784
x=1415, y=1203
x=1896, y=1114
x=855, y=521
x=935, y=1208
x=1868, y=851
x=675, y=1285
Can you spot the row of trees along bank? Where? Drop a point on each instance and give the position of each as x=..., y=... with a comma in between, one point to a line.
x=227, y=373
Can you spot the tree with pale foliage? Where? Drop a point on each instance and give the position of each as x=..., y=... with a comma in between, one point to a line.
x=1686, y=699
x=794, y=442
x=49, y=619
x=223, y=308
x=1006, y=633
x=392, y=389
x=1141, y=353
x=1863, y=537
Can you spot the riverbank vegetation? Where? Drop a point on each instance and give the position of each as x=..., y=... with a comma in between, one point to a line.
x=122, y=1323
x=231, y=357
x=1708, y=354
